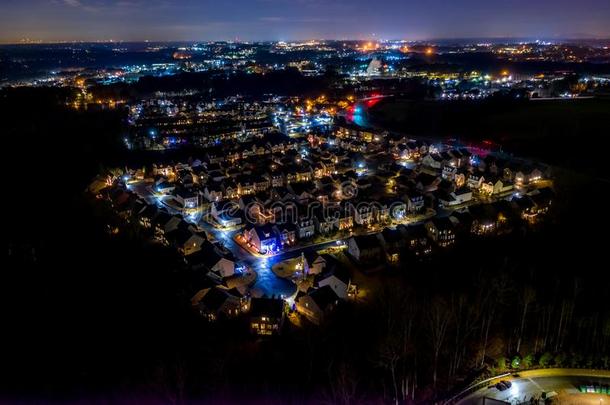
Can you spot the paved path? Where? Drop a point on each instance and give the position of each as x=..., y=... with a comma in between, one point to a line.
x=528, y=384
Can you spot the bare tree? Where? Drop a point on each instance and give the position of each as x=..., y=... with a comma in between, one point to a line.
x=343, y=384
x=465, y=317
x=528, y=295
x=438, y=321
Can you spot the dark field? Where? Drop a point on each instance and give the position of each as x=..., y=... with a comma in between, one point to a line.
x=569, y=133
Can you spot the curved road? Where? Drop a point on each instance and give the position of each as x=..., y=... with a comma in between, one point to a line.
x=528, y=384
x=267, y=283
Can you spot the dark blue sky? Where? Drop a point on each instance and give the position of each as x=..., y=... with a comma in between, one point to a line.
x=58, y=20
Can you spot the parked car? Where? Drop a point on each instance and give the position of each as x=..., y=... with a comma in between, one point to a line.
x=501, y=386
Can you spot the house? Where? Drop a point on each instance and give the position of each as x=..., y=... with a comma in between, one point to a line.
x=337, y=278
x=146, y=215
x=427, y=183
x=226, y=213
x=215, y=155
x=441, y=231
x=137, y=206
x=393, y=242
x=187, y=198
x=314, y=263
x=325, y=221
x=261, y=183
x=363, y=214
x=475, y=180
x=213, y=191
x=527, y=175
x=287, y=233
x=281, y=194
x=365, y=248
x=413, y=150
x=542, y=198
x=263, y=238
x=164, y=223
x=245, y=185
x=323, y=195
x=318, y=304
x=397, y=209
x=250, y=205
x=433, y=161
x=345, y=221
x=459, y=196
x=449, y=159
x=457, y=158
x=462, y=221
x=230, y=189
x=497, y=187
x=415, y=202
x=527, y=208
x=401, y=151
x=459, y=179
x=304, y=173
x=302, y=191
x=290, y=174
x=305, y=222
x=164, y=187
x=449, y=172
x=218, y=302
x=417, y=240
x=276, y=178
x=266, y=316
x=186, y=177
x=185, y=240
x=209, y=258
x=484, y=219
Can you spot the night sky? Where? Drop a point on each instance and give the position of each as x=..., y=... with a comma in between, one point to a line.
x=135, y=20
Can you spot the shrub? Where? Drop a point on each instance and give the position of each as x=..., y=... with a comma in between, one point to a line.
x=560, y=360
x=545, y=359
x=502, y=363
x=576, y=360
x=528, y=361
x=516, y=362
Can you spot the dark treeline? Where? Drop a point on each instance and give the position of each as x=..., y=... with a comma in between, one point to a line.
x=288, y=82
x=490, y=63
x=106, y=319
x=547, y=130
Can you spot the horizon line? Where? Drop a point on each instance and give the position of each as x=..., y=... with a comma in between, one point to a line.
x=496, y=38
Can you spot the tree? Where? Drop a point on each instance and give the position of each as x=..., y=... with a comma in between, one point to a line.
x=438, y=320
x=464, y=317
x=516, y=362
x=528, y=295
x=528, y=361
x=343, y=384
x=560, y=359
x=546, y=359
x=396, y=346
x=576, y=360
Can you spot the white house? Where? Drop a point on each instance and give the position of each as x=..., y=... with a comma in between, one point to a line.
x=337, y=279
x=459, y=196
x=218, y=264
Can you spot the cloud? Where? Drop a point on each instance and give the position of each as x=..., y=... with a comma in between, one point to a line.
x=79, y=4
x=295, y=20
x=272, y=19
